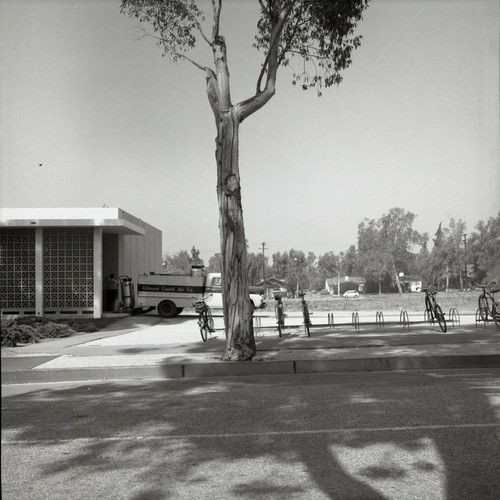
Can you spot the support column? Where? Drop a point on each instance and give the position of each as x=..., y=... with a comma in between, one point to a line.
x=98, y=279
x=39, y=272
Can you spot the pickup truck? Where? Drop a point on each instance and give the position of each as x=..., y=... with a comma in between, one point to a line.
x=171, y=293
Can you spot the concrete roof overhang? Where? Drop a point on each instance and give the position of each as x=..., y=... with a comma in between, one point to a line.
x=111, y=220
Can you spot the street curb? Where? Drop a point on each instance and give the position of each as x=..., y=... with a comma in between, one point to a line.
x=93, y=374
x=236, y=369
x=399, y=363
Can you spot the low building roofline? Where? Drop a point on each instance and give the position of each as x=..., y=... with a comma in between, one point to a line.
x=112, y=220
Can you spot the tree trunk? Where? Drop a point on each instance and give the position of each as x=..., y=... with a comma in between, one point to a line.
x=240, y=344
x=398, y=283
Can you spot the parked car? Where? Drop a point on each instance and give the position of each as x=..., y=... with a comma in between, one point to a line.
x=351, y=294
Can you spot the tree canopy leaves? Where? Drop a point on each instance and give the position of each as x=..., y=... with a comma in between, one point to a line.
x=319, y=32
x=174, y=23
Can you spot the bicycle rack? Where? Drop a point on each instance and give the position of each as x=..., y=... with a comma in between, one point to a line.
x=331, y=320
x=379, y=318
x=404, y=320
x=454, y=317
x=355, y=320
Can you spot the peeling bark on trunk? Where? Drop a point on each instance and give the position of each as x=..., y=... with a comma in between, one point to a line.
x=240, y=344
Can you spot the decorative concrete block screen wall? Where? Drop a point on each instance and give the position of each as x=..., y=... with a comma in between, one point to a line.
x=17, y=269
x=68, y=271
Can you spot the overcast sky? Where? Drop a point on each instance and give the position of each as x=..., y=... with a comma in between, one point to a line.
x=414, y=124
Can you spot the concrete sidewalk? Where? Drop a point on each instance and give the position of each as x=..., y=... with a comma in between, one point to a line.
x=150, y=347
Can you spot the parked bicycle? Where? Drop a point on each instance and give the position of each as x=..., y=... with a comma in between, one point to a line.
x=279, y=312
x=488, y=306
x=205, y=320
x=433, y=311
x=305, y=314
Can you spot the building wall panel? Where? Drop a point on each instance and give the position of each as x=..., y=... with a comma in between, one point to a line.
x=50, y=262
x=142, y=254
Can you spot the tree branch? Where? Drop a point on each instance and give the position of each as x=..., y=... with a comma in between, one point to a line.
x=246, y=108
x=299, y=22
x=264, y=7
x=274, y=40
x=192, y=61
x=170, y=51
x=216, y=8
x=202, y=33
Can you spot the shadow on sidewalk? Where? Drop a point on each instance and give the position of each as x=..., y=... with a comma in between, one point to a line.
x=329, y=437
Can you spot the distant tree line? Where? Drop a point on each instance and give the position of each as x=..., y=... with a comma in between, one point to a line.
x=181, y=262
x=389, y=251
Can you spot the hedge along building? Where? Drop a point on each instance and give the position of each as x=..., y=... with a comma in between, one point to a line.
x=54, y=261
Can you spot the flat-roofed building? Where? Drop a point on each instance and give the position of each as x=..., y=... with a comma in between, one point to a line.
x=54, y=261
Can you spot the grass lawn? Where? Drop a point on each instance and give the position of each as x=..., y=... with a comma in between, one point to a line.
x=463, y=301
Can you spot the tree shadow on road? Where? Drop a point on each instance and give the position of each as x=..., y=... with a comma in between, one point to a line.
x=331, y=436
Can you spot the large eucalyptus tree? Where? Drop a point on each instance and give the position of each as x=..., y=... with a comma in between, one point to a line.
x=320, y=32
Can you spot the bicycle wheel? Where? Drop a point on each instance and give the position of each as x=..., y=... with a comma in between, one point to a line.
x=490, y=307
x=203, y=324
x=428, y=314
x=440, y=318
x=496, y=314
x=307, y=322
x=483, y=307
x=210, y=320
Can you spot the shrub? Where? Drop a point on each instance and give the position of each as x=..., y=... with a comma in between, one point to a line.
x=54, y=330
x=14, y=333
x=29, y=320
x=83, y=326
x=29, y=330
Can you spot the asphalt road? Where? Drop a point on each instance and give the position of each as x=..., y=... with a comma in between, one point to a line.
x=414, y=435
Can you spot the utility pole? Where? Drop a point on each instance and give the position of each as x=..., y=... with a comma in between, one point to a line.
x=296, y=266
x=264, y=248
x=465, y=254
x=338, y=277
